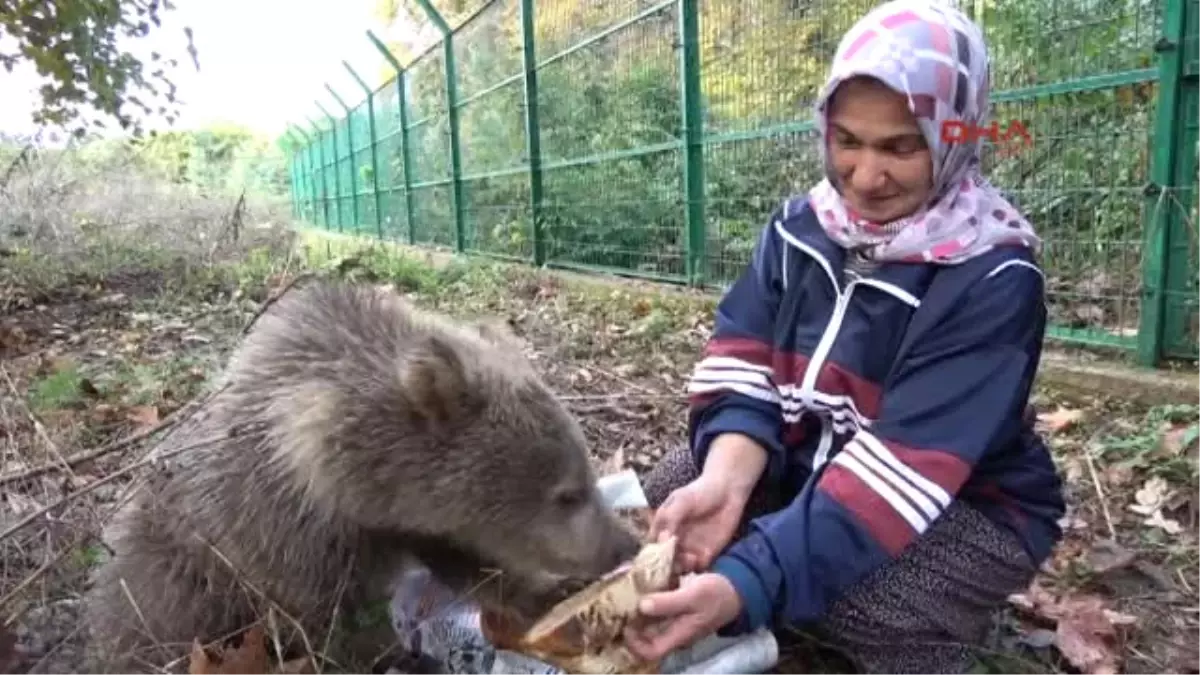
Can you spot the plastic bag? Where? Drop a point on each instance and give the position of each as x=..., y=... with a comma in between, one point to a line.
x=444, y=632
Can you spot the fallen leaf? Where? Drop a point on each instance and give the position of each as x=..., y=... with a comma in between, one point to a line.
x=250, y=657
x=1087, y=636
x=102, y=413
x=641, y=308
x=1151, y=496
x=1168, y=525
x=143, y=416
x=1060, y=419
x=1175, y=440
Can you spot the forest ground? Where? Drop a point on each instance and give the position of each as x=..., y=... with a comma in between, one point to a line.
x=103, y=345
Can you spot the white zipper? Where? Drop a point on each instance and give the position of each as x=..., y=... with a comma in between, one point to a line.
x=809, y=384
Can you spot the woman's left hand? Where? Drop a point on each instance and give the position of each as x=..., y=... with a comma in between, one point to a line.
x=673, y=619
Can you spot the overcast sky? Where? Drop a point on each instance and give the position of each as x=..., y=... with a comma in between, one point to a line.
x=262, y=62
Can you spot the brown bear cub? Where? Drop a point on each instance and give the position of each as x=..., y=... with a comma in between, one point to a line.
x=354, y=433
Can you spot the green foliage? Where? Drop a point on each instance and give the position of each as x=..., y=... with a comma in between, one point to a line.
x=60, y=389
x=219, y=159
x=76, y=47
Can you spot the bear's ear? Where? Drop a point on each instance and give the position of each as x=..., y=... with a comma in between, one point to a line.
x=435, y=381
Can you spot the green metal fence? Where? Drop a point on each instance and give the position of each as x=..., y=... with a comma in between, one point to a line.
x=653, y=137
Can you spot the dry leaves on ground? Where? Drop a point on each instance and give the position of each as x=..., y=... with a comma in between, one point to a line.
x=1154, y=496
x=250, y=657
x=1089, y=635
x=1059, y=419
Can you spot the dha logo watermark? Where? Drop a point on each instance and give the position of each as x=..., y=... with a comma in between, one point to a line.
x=1007, y=140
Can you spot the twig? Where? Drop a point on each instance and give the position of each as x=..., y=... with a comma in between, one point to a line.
x=614, y=411
x=37, y=574
x=25, y=522
x=661, y=396
x=1091, y=463
x=1108, y=519
x=626, y=380
x=262, y=309
x=308, y=647
x=79, y=458
x=37, y=423
x=178, y=416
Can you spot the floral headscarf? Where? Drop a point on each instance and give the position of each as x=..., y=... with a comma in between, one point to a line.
x=936, y=57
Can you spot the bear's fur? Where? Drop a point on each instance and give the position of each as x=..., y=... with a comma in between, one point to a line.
x=353, y=433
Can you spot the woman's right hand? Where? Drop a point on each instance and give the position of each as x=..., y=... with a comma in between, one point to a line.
x=703, y=515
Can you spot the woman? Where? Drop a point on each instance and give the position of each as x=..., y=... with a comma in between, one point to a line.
x=860, y=413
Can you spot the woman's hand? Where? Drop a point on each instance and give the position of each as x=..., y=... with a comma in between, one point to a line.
x=704, y=514
x=674, y=619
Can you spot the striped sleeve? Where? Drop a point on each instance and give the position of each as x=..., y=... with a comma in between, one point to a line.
x=959, y=393
x=732, y=389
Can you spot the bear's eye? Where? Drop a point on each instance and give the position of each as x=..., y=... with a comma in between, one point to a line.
x=568, y=499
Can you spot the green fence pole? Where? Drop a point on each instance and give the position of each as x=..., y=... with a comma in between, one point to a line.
x=692, y=111
x=300, y=155
x=337, y=179
x=324, y=176
x=294, y=171
x=405, y=145
x=1160, y=217
x=292, y=190
x=355, y=220
x=310, y=189
x=1179, y=314
x=305, y=166
x=297, y=176
x=533, y=133
x=452, y=114
x=374, y=141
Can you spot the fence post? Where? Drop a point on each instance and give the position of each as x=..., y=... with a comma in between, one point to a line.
x=306, y=168
x=293, y=190
x=374, y=141
x=298, y=176
x=294, y=172
x=324, y=177
x=337, y=179
x=405, y=146
x=452, y=115
x=310, y=153
x=693, y=139
x=1160, y=216
x=354, y=216
x=533, y=133
x=300, y=159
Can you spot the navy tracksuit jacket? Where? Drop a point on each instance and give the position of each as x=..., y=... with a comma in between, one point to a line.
x=880, y=399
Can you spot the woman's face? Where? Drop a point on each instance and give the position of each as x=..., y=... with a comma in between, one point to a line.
x=882, y=163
